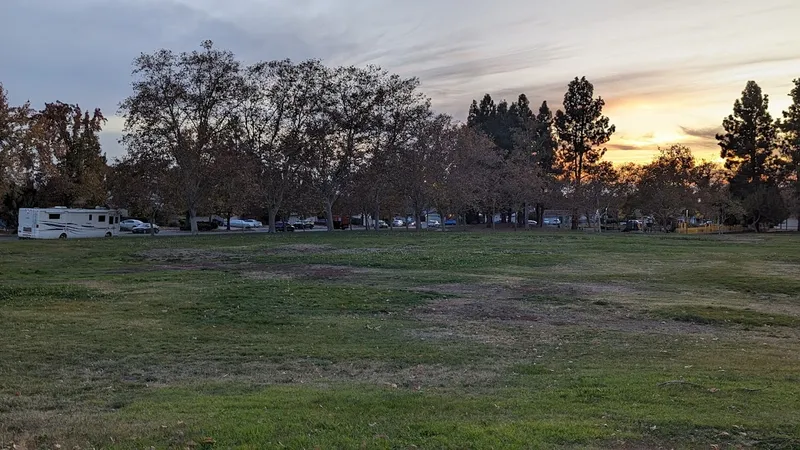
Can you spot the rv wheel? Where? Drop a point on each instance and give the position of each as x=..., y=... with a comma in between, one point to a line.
x=63, y=236
x=108, y=234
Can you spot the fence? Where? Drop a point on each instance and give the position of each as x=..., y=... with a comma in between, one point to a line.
x=709, y=229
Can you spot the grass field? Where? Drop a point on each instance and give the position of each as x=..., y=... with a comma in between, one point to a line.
x=401, y=340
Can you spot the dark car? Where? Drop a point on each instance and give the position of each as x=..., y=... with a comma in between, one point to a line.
x=283, y=226
x=146, y=228
x=201, y=225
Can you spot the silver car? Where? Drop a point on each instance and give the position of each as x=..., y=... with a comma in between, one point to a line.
x=129, y=224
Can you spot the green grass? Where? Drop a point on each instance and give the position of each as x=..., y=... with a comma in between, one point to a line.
x=401, y=340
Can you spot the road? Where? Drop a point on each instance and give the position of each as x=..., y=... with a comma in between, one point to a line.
x=166, y=232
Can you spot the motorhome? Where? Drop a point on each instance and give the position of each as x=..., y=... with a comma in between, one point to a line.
x=67, y=223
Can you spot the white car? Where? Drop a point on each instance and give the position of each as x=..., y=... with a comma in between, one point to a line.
x=254, y=223
x=129, y=224
x=239, y=223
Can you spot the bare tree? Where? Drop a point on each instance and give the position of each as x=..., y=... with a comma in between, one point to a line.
x=282, y=99
x=179, y=106
x=339, y=135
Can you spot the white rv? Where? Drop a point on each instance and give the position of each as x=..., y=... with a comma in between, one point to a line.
x=62, y=223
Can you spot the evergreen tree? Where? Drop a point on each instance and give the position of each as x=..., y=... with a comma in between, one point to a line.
x=748, y=146
x=546, y=136
x=790, y=127
x=473, y=117
x=582, y=129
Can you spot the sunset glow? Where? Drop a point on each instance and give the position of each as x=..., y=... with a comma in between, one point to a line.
x=666, y=81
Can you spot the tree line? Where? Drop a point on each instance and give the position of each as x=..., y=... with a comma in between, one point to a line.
x=205, y=133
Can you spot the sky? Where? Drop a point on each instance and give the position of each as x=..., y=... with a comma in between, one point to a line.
x=669, y=71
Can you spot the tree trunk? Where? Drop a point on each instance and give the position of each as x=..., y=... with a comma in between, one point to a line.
x=525, y=216
x=193, y=220
x=152, y=223
x=272, y=213
x=377, y=217
x=540, y=215
x=416, y=219
x=329, y=214
x=228, y=227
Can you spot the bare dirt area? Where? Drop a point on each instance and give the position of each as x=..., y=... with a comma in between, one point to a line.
x=307, y=271
x=185, y=254
x=290, y=249
x=474, y=311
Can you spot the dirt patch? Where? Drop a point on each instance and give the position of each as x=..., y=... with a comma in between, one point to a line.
x=290, y=249
x=190, y=254
x=469, y=316
x=594, y=290
x=471, y=290
x=503, y=313
x=311, y=271
x=361, y=251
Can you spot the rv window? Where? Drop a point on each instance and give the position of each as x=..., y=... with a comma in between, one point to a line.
x=55, y=216
x=101, y=218
x=116, y=219
x=90, y=217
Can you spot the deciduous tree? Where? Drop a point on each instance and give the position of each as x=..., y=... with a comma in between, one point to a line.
x=181, y=103
x=339, y=136
x=665, y=185
x=72, y=166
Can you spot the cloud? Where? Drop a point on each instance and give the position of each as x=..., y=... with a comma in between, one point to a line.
x=81, y=51
x=709, y=133
x=625, y=147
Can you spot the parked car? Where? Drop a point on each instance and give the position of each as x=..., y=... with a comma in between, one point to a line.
x=532, y=223
x=632, y=225
x=382, y=224
x=144, y=228
x=450, y=222
x=434, y=223
x=202, y=225
x=306, y=224
x=283, y=226
x=240, y=223
x=321, y=222
x=129, y=224
x=253, y=223
x=398, y=222
x=553, y=221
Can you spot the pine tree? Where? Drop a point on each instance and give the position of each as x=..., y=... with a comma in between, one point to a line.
x=749, y=149
x=582, y=129
x=474, y=115
x=790, y=128
x=545, y=135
